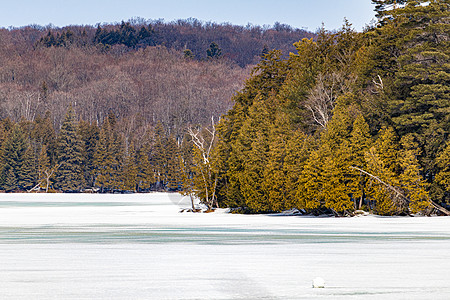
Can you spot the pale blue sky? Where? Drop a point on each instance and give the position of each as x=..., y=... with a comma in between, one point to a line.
x=297, y=13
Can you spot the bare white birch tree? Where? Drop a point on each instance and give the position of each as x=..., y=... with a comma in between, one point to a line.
x=206, y=179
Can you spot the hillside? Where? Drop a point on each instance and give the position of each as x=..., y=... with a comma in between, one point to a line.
x=109, y=106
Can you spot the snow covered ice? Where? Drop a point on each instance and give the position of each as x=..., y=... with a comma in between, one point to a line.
x=90, y=246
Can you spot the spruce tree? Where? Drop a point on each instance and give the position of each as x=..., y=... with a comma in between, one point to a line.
x=108, y=156
x=27, y=175
x=173, y=174
x=102, y=159
x=13, y=150
x=89, y=134
x=145, y=174
x=129, y=170
x=159, y=156
x=9, y=180
x=46, y=171
x=69, y=176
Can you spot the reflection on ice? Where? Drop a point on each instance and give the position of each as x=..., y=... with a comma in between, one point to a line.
x=140, y=247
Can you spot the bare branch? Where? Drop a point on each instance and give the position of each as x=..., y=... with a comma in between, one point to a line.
x=400, y=194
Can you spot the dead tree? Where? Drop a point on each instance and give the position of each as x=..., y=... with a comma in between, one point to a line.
x=207, y=183
x=399, y=194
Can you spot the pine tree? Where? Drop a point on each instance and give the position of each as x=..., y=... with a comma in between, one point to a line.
x=158, y=156
x=186, y=166
x=214, y=52
x=412, y=49
x=43, y=133
x=443, y=162
x=145, y=174
x=102, y=159
x=13, y=150
x=89, y=134
x=46, y=171
x=10, y=180
x=129, y=170
x=382, y=8
x=27, y=175
x=173, y=175
x=108, y=156
x=69, y=176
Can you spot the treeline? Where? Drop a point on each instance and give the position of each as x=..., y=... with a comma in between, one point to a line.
x=352, y=121
x=153, y=69
x=241, y=44
x=83, y=156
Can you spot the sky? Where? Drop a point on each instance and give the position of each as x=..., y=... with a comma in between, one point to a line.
x=306, y=14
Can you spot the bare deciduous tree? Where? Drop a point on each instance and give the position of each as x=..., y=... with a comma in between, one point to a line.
x=206, y=182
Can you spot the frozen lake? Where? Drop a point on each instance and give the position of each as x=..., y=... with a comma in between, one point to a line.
x=72, y=246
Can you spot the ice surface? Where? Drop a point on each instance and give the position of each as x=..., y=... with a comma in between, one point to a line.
x=90, y=246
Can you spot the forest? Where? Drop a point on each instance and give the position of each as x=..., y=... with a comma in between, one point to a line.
x=351, y=121
x=342, y=122
x=134, y=86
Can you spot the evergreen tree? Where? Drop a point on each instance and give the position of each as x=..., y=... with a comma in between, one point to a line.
x=187, y=53
x=380, y=197
x=413, y=183
x=360, y=142
x=159, y=156
x=252, y=149
x=173, y=175
x=46, y=171
x=298, y=150
x=129, y=170
x=383, y=163
x=214, y=52
x=108, y=156
x=43, y=134
x=89, y=134
x=382, y=8
x=274, y=176
x=145, y=174
x=310, y=193
x=10, y=180
x=69, y=176
x=186, y=166
x=27, y=175
x=13, y=150
x=443, y=162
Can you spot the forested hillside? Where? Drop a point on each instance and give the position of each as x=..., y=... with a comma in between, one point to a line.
x=133, y=90
x=350, y=121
